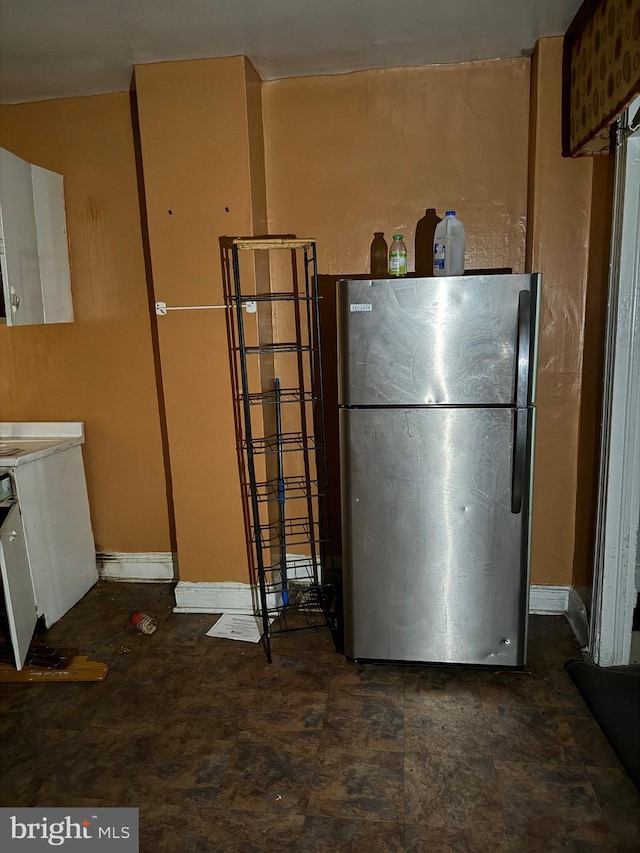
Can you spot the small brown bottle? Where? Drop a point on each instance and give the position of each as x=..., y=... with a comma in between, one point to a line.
x=379, y=254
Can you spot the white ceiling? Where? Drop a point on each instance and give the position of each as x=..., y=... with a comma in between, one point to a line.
x=60, y=48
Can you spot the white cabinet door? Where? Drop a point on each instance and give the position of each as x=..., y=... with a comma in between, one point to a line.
x=18, y=587
x=34, y=252
x=19, y=243
x=52, y=494
x=53, y=249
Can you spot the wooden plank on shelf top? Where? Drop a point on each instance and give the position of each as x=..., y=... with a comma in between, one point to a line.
x=268, y=241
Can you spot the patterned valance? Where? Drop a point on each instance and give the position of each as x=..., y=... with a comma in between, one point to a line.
x=601, y=72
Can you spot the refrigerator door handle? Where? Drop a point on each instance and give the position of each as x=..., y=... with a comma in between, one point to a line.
x=522, y=395
x=519, y=458
x=523, y=347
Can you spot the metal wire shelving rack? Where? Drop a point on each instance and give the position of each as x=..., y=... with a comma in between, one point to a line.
x=279, y=409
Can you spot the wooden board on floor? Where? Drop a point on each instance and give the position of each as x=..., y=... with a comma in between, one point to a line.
x=79, y=669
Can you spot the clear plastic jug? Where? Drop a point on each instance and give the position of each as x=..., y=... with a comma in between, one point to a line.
x=449, y=246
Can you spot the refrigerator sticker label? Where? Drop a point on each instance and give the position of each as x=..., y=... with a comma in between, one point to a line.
x=360, y=306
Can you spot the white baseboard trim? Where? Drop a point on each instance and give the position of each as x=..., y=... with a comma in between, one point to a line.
x=142, y=567
x=228, y=597
x=577, y=618
x=212, y=597
x=547, y=599
x=240, y=598
x=300, y=568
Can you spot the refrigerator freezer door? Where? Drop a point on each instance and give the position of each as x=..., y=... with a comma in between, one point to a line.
x=436, y=341
x=435, y=559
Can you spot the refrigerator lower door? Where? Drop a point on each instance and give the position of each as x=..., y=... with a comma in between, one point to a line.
x=436, y=560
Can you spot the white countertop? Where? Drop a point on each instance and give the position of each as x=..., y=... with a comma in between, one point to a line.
x=24, y=442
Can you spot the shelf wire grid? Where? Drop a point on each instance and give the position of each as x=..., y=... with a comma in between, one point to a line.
x=297, y=591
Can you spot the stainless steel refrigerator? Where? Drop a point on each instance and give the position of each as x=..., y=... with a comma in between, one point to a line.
x=436, y=387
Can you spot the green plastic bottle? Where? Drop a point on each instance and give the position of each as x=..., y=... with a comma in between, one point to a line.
x=398, y=256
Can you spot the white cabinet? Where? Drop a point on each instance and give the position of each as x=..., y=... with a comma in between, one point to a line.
x=19, y=259
x=48, y=476
x=34, y=253
x=17, y=586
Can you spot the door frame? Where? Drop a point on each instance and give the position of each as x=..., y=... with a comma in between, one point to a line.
x=614, y=593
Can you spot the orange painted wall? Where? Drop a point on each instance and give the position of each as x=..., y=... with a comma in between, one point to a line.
x=202, y=180
x=352, y=154
x=100, y=368
x=344, y=156
x=558, y=247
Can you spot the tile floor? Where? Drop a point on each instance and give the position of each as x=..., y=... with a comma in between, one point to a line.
x=224, y=753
